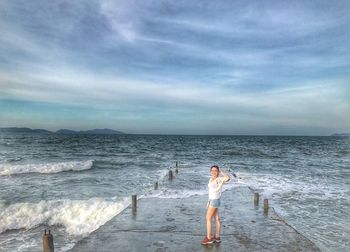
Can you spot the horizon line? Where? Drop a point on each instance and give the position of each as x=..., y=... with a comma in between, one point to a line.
x=170, y=134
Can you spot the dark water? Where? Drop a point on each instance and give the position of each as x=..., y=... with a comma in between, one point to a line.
x=74, y=184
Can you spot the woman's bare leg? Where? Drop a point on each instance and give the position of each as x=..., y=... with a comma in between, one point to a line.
x=218, y=223
x=210, y=214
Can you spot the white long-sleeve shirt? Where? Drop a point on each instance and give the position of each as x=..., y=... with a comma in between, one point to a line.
x=215, y=187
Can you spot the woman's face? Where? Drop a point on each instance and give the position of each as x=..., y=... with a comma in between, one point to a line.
x=214, y=172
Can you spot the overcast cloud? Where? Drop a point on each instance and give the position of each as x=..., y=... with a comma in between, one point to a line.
x=177, y=67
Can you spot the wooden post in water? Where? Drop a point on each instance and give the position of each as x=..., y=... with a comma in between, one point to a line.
x=171, y=175
x=134, y=202
x=48, y=242
x=177, y=167
x=156, y=185
x=256, y=199
x=266, y=206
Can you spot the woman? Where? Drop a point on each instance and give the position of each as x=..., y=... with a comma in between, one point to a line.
x=218, y=178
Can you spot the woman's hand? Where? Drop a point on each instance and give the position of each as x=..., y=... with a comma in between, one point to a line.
x=226, y=177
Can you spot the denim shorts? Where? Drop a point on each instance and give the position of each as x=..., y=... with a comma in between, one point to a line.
x=214, y=203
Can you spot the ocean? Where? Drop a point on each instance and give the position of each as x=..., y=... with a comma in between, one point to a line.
x=73, y=184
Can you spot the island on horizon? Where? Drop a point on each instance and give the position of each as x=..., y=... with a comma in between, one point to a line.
x=105, y=131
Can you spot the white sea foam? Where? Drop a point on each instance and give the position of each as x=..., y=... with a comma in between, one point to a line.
x=186, y=192
x=271, y=185
x=174, y=194
x=9, y=169
x=79, y=217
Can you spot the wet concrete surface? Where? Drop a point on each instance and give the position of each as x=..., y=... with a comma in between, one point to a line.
x=179, y=225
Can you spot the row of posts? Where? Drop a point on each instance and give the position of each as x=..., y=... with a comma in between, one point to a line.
x=48, y=245
x=170, y=175
x=156, y=186
x=266, y=202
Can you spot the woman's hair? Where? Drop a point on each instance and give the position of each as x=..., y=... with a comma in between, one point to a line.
x=215, y=166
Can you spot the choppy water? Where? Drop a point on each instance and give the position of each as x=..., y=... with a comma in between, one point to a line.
x=74, y=184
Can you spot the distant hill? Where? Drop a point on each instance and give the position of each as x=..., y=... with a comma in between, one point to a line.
x=62, y=131
x=341, y=134
x=24, y=130
x=101, y=131
x=66, y=132
x=90, y=132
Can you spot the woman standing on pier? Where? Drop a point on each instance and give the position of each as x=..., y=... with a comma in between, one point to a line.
x=218, y=178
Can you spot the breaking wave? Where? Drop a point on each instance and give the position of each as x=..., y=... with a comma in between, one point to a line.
x=10, y=169
x=79, y=217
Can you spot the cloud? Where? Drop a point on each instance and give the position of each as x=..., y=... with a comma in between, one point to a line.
x=67, y=86
x=235, y=61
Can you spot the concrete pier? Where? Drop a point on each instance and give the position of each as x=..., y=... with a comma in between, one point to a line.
x=179, y=225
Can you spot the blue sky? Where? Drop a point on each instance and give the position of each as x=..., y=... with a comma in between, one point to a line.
x=176, y=67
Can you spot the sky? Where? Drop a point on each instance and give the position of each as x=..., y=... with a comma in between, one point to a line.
x=176, y=67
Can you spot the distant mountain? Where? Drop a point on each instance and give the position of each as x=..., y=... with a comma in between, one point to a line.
x=67, y=132
x=90, y=132
x=24, y=130
x=102, y=132
x=341, y=134
x=62, y=131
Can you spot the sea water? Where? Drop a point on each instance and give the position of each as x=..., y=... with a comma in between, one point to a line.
x=73, y=184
